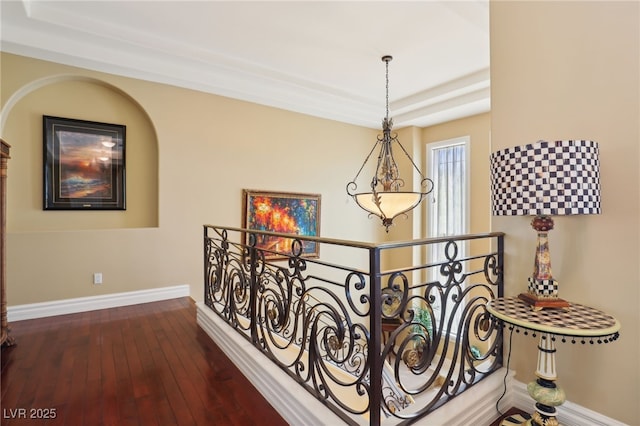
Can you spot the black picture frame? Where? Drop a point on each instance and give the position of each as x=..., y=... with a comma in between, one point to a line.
x=84, y=165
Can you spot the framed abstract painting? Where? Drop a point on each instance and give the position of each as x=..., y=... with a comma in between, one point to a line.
x=84, y=165
x=282, y=212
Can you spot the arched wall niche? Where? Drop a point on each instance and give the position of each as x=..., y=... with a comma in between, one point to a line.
x=82, y=98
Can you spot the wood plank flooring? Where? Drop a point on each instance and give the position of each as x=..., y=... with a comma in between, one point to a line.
x=147, y=364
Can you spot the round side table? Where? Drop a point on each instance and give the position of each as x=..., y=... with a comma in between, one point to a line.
x=574, y=323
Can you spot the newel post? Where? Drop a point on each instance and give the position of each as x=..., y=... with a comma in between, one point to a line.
x=375, y=337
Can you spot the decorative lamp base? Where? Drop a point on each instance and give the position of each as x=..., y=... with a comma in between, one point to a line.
x=538, y=303
x=543, y=287
x=543, y=293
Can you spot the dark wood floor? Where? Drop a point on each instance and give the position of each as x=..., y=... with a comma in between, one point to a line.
x=147, y=364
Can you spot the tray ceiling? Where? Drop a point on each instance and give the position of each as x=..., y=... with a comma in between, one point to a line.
x=320, y=58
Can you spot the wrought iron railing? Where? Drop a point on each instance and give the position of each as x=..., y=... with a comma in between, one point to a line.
x=365, y=328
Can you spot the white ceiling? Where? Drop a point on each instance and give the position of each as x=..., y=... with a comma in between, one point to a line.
x=321, y=58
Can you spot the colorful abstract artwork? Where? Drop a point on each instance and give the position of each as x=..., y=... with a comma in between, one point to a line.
x=84, y=165
x=287, y=213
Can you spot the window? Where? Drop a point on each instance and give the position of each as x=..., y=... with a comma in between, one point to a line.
x=448, y=205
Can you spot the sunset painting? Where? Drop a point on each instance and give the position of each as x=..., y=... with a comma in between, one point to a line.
x=84, y=164
x=284, y=213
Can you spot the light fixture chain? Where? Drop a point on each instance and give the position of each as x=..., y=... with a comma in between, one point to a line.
x=387, y=86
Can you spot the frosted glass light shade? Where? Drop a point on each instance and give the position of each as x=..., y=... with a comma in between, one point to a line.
x=391, y=203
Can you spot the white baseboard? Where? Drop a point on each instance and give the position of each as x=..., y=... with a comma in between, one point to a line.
x=92, y=303
x=569, y=413
x=297, y=407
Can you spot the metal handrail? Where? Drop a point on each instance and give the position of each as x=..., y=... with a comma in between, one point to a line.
x=321, y=320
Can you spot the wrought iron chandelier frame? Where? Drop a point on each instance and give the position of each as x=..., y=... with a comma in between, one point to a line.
x=386, y=200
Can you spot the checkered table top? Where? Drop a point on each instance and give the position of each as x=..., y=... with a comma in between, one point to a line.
x=578, y=320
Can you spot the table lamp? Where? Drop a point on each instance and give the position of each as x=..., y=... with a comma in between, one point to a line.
x=545, y=179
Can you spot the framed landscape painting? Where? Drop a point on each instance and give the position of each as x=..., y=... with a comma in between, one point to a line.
x=282, y=212
x=84, y=165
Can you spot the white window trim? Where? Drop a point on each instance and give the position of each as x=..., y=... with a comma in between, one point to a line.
x=430, y=147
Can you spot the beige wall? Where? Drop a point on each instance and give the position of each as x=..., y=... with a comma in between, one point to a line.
x=189, y=155
x=570, y=70
x=84, y=99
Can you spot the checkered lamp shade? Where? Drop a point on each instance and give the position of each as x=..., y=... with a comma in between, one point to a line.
x=546, y=178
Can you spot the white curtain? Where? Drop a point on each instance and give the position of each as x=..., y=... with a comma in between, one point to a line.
x=449, y=198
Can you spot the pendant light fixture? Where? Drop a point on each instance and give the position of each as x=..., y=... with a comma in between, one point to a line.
x=386, y=199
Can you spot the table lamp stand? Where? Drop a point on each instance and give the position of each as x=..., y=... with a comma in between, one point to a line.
x=542, y=291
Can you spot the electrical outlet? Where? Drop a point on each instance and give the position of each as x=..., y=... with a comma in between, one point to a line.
x=97, y=278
